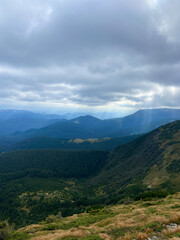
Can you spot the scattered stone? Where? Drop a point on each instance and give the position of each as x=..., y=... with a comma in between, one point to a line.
x=154, y=238
x=172, y=226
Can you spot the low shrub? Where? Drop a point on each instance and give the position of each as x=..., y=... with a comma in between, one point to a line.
x=95, y=209
x=5, y=230
x=147, y=196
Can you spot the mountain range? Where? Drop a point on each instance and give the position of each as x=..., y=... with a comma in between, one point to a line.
x=21, y=120
x=91, y=127
x=24, y=129
x=18, y=120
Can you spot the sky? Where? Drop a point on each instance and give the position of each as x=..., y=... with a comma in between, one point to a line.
x=89, y=55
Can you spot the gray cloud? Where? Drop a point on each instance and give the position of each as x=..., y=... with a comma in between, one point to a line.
x=90, y=53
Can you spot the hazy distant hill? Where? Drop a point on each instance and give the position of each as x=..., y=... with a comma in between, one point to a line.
x=19, y=120
x=91, y=127
x=88, y=122
x=145, y=120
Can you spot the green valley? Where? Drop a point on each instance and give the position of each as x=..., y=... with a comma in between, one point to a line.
x=37, y=183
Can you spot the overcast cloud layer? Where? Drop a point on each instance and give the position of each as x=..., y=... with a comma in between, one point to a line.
x=90, y=54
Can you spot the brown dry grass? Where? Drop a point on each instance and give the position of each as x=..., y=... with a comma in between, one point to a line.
x=105, y=236
x=29, y=228
x=59, y=234
x=174, y=219
x=142, y=236
x=171, y=231
x=139, y=220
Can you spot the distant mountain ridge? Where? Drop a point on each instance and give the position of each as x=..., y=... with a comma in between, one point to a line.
x=17, y=126
x=90, y=127
x=20, y=120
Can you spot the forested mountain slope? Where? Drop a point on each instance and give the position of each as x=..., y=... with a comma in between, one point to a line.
x=103, y=144
x=154, y=158
x=51, y=163
x=36, y=183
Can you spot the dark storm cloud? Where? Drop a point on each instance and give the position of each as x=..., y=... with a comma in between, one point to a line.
x=90, y=52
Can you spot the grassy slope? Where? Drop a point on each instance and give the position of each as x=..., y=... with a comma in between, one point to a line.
x=150, y=160
x=137, y=220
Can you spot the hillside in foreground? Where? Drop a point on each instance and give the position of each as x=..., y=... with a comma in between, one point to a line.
x=158, y=219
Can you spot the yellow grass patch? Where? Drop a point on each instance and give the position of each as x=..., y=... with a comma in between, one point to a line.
x=59, y=234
